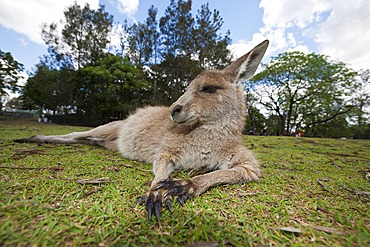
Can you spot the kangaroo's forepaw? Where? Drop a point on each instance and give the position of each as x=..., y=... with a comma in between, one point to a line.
x=154, y=202
x=182, y=189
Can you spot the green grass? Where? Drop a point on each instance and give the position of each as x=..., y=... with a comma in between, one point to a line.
x=305, y=183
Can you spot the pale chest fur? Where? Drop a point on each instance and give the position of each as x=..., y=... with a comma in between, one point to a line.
x=208, y=147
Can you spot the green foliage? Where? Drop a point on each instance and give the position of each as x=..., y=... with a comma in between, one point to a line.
x=255, y=119
x=9, y=73
x=48, y=88
x=362, y=99
x=210, y=46
x=111, y=87
x=143, y=43
x=182, y=48
x=336, y=128
x=176, y=27
x=305, y=90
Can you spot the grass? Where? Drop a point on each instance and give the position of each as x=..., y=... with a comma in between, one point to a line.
x=315, y=186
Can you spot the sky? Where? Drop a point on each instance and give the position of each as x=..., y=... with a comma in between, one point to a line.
x=337, y=28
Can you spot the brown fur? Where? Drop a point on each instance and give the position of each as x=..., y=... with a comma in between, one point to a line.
x=202, y=128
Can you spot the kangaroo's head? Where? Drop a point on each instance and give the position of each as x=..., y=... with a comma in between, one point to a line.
x=218, y=96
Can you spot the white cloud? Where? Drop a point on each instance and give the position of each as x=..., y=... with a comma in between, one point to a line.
x=345, y=35
x=128, y=7
x=291, y=39
x=301, y=48
x=277, y=37
x=340, y=28
x=281, y=15
x=22, y=42
x=242, y=47
x=26, y=16
x=285, y=13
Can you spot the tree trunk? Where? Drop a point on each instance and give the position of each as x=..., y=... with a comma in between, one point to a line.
x=154, y=89
x=289, y=116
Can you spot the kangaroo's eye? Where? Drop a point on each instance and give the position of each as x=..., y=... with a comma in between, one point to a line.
x=210, y=89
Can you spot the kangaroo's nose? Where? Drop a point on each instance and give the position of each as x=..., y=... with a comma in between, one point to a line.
x=176, y=110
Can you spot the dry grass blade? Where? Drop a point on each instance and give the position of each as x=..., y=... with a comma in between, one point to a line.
x=324, y=187
x=32, y=168
x=328, y=230
x=247, y=194
x=196, y=214
x=324, y=210
x=126, y=165
x=93, y=191
x=95, y=181
x=361, y=192
x=289, y=229
x=204, y=244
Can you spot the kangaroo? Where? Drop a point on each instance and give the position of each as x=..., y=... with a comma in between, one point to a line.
x=202, y=128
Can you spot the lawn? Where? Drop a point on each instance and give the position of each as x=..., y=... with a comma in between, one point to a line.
x=312, y=192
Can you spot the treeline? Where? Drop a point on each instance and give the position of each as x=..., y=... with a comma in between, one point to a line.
x=156, y=61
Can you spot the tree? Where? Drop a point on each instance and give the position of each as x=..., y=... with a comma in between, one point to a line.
x=84, y=36
x=182, y=48
x=112, y=87
x=255, y=119
x=39, y=88
x=304, y=90
x=15, y=103
x=177, y=48
x=210, y=46
x=83, y=39
x=336, y=128
x=142, y=41
x=189, y=46
x=9, y=73
x=161, y=59
x=48, y=87
x=362, y=98
x=176, y=28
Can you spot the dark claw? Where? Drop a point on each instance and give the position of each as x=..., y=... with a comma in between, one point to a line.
x=164, y=180
x=168, y=204
x=160, y=186
x=137, y=201
x=157, y=208
x=150, y=207
x=170, y=191
x=180, y=201
x=184, y=198
x=140, y=199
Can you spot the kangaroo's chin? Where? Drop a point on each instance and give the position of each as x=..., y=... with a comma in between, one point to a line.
x=189, y=121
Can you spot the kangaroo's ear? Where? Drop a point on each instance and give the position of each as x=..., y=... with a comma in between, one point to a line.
x=244, y=68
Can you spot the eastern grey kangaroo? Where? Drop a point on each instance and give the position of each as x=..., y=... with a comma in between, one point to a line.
x=202, y=128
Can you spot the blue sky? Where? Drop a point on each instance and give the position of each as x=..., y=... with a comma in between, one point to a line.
x=338, y=28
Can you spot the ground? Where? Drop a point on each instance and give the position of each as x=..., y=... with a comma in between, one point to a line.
x=312, y=192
